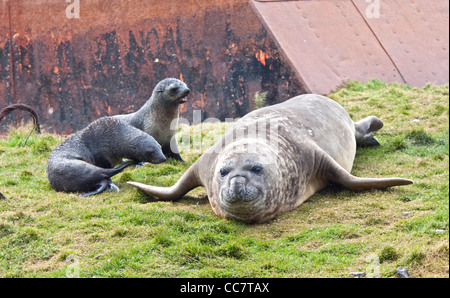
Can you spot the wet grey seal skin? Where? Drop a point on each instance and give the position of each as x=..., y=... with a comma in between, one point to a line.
x=156, y=115
x=84, y=162
x=314, y=145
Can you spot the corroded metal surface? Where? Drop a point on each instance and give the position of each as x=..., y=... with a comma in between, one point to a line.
x=330, y=42
x=327, y=43
x=107, y=61
x=416, y=37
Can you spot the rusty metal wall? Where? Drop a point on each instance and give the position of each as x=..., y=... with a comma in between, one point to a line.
x=329, y=42
x=107, y=61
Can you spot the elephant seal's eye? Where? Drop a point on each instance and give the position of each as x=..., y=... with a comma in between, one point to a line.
x=257, y=170
x=223, y=172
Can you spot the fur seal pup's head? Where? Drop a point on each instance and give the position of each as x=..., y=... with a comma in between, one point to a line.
x=245, y=178
x=145, y=148
x=174, y=91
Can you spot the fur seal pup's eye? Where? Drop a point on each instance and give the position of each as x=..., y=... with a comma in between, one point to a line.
x=223, y=172
x=257, y=170
x=174, y=89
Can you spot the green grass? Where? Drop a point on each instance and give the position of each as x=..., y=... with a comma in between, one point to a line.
x=128, y=234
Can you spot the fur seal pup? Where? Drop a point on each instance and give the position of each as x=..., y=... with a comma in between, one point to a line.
x=156, y=115
x=310, y=141
x=85, y=160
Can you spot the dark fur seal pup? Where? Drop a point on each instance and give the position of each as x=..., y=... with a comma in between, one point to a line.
x=85, y=161
x=314, y=144
x=156, y=115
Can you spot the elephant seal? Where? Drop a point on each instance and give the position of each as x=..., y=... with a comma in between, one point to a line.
x=85, y=160
x=156, y=115
x=301, y=146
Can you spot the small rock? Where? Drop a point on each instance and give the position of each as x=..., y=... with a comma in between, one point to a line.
x=416, y=120
x=358, y=274
x=402, y=273
x=440, y=231
x=406, y=212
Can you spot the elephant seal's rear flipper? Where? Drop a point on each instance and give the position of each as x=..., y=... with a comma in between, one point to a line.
x=337, y=174
x=364, y=129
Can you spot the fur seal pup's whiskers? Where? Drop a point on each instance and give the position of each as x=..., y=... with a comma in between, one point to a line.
x=156, y=115
x=316, y=145
x=84, y=162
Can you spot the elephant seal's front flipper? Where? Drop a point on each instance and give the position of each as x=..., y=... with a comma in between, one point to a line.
x=187, y=182
x=337, y=174
x=364, y=129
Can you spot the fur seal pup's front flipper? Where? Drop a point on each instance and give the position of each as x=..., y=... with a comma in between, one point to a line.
x=364, y=129
x=337, y=174
x=169, y=153
x=187, y=182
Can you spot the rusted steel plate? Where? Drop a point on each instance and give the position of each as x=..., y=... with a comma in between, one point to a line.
x=5, y=58
x=107, y=61
x=327, y=42
x=415, y=34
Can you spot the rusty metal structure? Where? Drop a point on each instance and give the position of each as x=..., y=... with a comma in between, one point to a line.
x=330, y=42
x=74, y=61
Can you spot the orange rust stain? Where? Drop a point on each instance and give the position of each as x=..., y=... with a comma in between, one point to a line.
x=27, y=37
x=56, y=70
x=261, y=56
x=181, y=77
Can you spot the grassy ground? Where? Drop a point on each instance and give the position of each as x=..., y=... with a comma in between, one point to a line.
x=48, y=234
